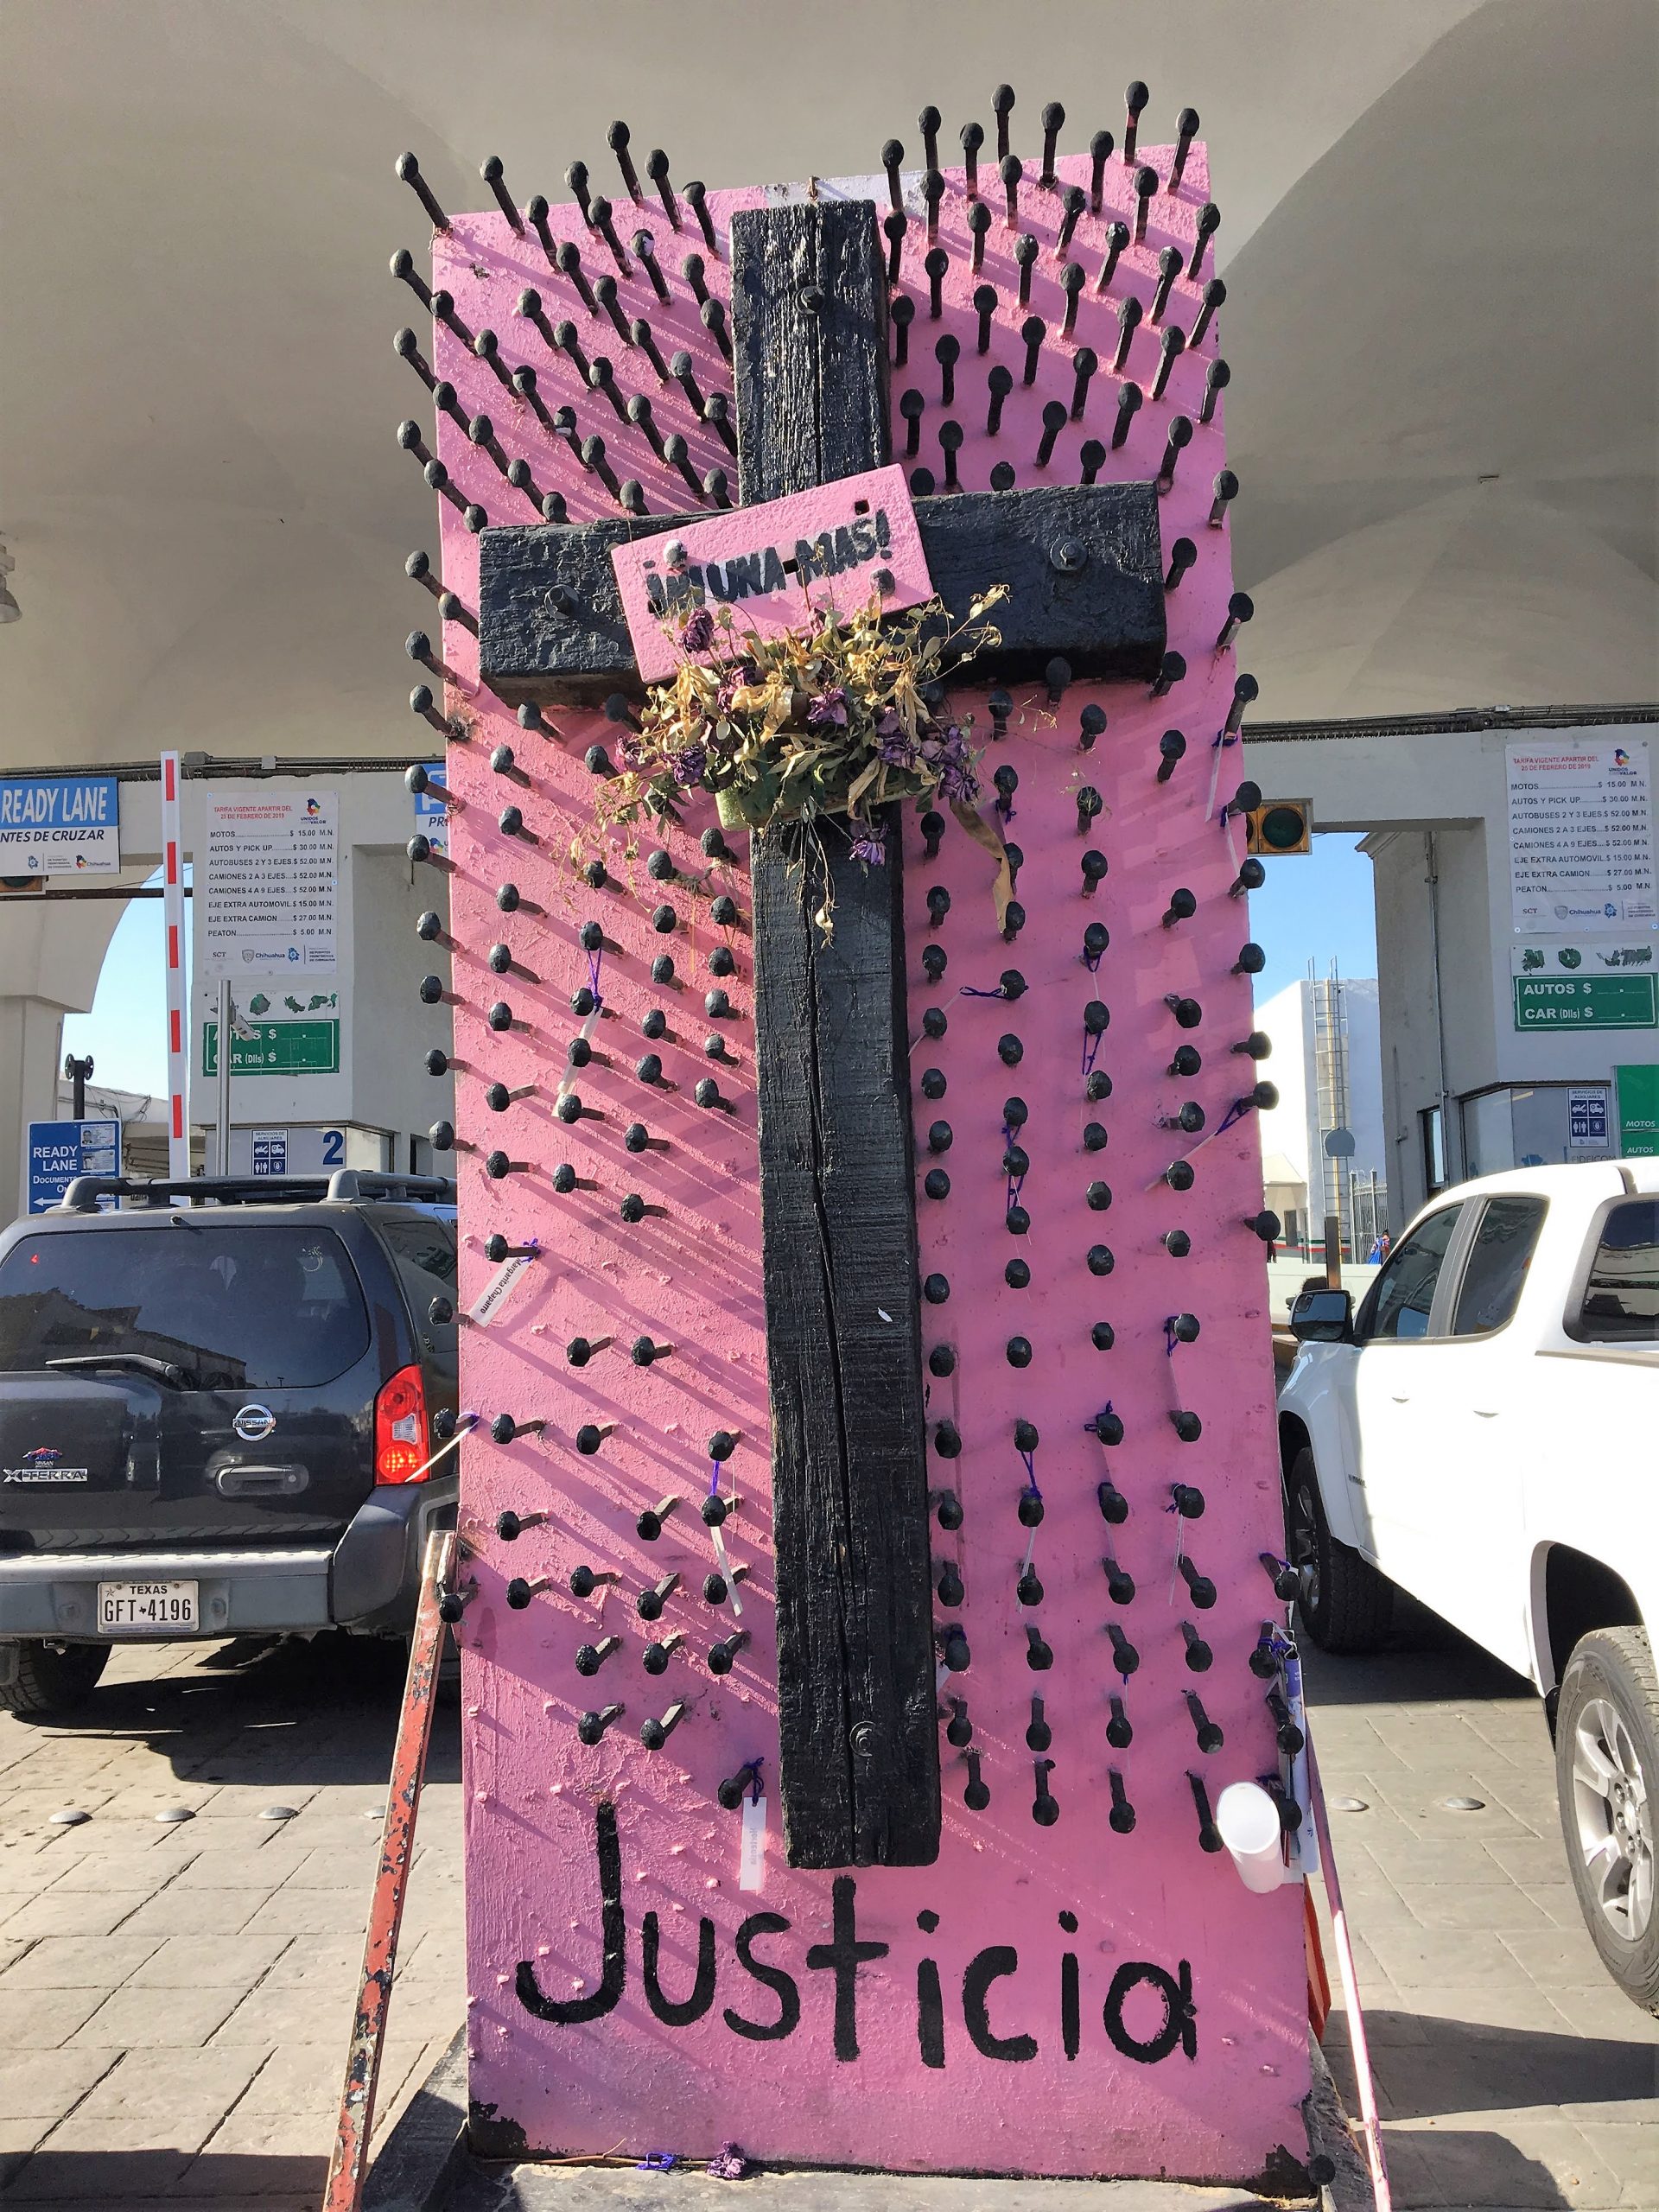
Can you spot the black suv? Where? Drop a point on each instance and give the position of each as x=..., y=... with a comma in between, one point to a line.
x=219, y=1420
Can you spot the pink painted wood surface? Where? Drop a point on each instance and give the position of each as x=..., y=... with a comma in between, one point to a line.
x=689, y=1277
x=869, y=516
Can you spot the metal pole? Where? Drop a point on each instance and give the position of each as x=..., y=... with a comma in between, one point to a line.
x=223, y=1116
x=178, y=1128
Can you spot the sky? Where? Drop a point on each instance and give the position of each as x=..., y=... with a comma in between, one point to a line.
x=1316, y=907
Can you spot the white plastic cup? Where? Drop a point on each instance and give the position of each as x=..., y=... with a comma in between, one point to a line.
x=1248, y=1820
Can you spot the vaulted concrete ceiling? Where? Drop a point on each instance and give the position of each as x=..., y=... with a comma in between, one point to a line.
x=1439, y=239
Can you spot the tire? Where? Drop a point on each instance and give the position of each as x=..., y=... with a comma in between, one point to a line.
x=1344, y=1604
x=48, y=1679
x=1608, y=1782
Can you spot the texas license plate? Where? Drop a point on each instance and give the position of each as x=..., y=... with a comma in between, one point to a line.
x=146, y=1608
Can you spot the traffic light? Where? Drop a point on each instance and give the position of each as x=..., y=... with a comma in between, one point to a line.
x=1282, y=825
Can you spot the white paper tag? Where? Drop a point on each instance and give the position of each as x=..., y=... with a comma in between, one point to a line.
x=493, y=1296
x=752, y=1856
x=733, y=1588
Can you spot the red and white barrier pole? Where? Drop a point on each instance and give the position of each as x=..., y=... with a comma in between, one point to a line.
x=178, y=1033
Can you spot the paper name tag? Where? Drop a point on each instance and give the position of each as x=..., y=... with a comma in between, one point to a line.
x=837, y=544
x=752, y=1853
x=495, y=1292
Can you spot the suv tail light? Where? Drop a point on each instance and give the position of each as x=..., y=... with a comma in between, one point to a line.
x=400, y=1453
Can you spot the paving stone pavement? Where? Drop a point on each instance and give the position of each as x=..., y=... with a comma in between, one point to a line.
x=175, y=1999
x=1510, y=2072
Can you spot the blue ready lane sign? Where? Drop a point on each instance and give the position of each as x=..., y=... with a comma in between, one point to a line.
x=59, y=1150
x=60, y=825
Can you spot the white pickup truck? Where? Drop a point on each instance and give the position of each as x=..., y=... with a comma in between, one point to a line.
x=1483, y=1432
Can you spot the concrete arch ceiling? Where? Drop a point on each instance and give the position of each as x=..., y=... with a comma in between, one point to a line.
x=1438, y=234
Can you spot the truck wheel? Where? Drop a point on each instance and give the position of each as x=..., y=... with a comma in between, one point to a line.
x=1344, y=1604
x=1607, y=1780
x=49, y=1678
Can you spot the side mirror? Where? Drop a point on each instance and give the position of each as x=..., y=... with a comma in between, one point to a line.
x=1323, y=1317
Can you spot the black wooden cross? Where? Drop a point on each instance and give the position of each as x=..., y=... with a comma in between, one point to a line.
x=859, y=1748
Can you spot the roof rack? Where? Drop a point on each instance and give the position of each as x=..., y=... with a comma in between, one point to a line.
x=345, y=1185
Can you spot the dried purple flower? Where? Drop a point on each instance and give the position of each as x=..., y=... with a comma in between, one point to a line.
x=699, y=632
x=870, y=845
x=829, y=709
x=689, y=768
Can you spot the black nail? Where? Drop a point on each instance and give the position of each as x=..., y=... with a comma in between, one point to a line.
x=1215, y=294
x=1226, y=489
x=592, y=458
x=933, y=193
x=697, y=199
x=1129, y=321
x=408, y=170
x=1091, y=725
x=407, y=347
x=946, y=353
x=1002, y=108
x=715, y=486
x=1172, y=747
x=639, y=335
x=1217, y=378
x=617, y=138
x=1245, y=692
x=605, y=293
x=1100, y=152
x=937, y=262
x=1054, y=123
x=1010, y=170
x=911, y=407
x=999, y=383
x=985, y=307
x=492, y=173
x=979, y=223
x=1209, y=224
x=951, y=436
x=1169, y=268
x=680, y=369
x=530, y=307
x=1074, y=200
x=1092, y=455
x=1004, y=476
x=657, y=170
x=1172, y=669
x=1072, y=280
x=576, y=177
x=1033, y=330
x=972, y=136
x=644, y=247
x=894, y=226
x=717, y=413
x=1128, y=401
x=1186, y=129
x=893, y=158
x=443, y=311
x=1135, y=101
x=1240, y=608
x=1170, y=345
x=1025, y=254
x=1146, y=187
x=692, y=269
x=1116, y=239
x=902, y=314
x=403, y=267
x=568, y=259
x=1182, y=554
x=536, y=208
x=605, y=224
x=1181, y=435
x=677, y=453
x=602, y=377
x=1054, y=419
x=712, y=314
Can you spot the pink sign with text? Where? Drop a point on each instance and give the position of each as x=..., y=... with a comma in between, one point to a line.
x=835, y=544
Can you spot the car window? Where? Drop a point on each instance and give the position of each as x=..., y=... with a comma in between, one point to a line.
x=1621, y=1292
x=251, y=1307
x=1498, y=1264
x=421, y=1242
x=1403, y=1296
